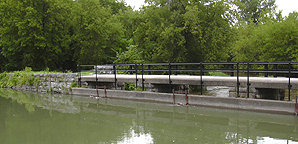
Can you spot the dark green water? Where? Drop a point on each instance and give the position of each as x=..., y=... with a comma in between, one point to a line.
x=34, y=118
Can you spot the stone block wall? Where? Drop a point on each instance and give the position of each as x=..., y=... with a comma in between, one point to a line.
x=58, y=83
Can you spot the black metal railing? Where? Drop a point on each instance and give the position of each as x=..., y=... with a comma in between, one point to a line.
x=286, y=69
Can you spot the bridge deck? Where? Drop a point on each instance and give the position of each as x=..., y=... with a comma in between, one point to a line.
x=256, y=82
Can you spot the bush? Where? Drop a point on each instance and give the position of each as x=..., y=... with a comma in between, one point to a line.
x=74, y=84
x=131, y=87
x=3, y=80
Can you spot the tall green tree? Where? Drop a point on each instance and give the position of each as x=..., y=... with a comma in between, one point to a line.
x=184, y=31
x=3, y=61
x=253, y=10
x=273, y=41
x=115, y=6
x=98, y=33
x=34, y=33
x=208, y=31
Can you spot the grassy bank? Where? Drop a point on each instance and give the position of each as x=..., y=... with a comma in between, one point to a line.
x=22, y=78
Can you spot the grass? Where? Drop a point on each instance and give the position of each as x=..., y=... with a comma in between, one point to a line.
x=46, y=71
x=86, y=72
x=217, y=74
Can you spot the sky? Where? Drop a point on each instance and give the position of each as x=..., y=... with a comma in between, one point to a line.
x=286, y=6
x=135, y=3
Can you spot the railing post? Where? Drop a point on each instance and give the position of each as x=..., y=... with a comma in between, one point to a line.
x=115, y=74
x=143, y=88
x=238, y=84
x=105, y=89
x=296, y=106
x=173, y=96
x=96, y=80
x=203, y=69
x=275, y=68
x=186, y=98
x=248, y=84
x=170, y=72
x=130, y=68
x=136, y=69
x=176, y=67
x=266, y=69
x=149, y=72
x=80, y=78
x=232, y=69
x=201, y=78
x=289, y=86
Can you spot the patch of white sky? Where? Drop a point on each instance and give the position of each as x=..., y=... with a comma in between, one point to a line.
x=135, y=4
x=286, y=6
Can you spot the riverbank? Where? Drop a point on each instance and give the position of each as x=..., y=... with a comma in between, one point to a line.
x=61, y=83
x=39, y=82
x=269, y=106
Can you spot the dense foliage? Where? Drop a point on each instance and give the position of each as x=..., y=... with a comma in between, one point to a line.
x=59, y=34
x=273, y=41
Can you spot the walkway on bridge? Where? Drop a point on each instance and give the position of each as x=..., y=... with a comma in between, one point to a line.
x=255, y=82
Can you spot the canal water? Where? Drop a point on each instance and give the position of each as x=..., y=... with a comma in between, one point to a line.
x=34, y=118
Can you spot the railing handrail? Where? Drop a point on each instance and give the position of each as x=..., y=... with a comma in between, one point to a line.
x=204, y=63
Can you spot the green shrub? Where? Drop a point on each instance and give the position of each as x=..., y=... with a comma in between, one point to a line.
x=28, y=69
x=3, y=80
x=74, y=84
x=131, y=87
x=37, y=81
x=14, y=79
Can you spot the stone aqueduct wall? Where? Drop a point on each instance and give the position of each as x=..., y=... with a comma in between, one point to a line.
x=58, y=83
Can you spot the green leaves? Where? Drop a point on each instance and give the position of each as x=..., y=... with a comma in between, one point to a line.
x=131, y=55
x=184, y=31
x=98, y=33
x=274, y=41
x=33, y=33
x=59, y=34
x=254, y=10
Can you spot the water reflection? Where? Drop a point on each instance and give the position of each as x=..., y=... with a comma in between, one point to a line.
x=48, y=118
x=132, y=137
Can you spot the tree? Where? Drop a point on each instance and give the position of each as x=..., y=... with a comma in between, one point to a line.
x=208, y=31
x=98, y=33
x=59, y=34
x=115, y=6
x=131, y=55
x=34, y=33
x=184, y=31
x=253, y=10
x=274, y=41
x=3, y=61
